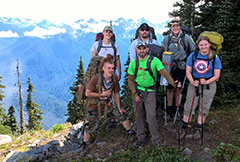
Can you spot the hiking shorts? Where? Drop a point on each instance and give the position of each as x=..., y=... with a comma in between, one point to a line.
x=92, y=122
x=208, y=95
x=177, y=74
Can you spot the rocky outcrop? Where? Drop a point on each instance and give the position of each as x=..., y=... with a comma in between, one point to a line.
x=5, y=139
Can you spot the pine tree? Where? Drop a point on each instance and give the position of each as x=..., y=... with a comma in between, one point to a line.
x=126, y=95
x=4, y=129
x=12, y=123
x=222, y=17
x=75, y=108
x=34, y=114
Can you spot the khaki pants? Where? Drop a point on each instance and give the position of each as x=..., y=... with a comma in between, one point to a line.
x=208, y=95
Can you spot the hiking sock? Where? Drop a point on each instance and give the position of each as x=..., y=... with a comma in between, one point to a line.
x=86, y=143
x=199, y=126
x=184, y=125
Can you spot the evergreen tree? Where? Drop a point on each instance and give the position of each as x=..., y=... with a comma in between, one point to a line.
x=126, y=95
x=34, y=114
x=222, y=17
x=3, y=115
x=75, y=108
x=4, y=129
x=12, y=123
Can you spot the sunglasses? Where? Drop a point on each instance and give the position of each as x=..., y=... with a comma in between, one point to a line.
x=108, y=31
x=141, y=47
x=146, y=29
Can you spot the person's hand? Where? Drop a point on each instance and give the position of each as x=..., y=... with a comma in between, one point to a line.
x=122, y=111
x=106, y=93
x=178, y=84
x=137, y=98
x=203, y=81
x=195, y=83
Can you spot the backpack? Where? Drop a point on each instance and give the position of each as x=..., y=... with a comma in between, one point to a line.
x=99, y=38
x=216, y=40
x=93, y=69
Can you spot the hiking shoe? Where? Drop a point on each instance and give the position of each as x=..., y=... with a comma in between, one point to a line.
x=197, y=133
x=139, y=143
x=131, y=132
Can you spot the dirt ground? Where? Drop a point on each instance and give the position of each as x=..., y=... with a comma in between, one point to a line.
x=222, y=125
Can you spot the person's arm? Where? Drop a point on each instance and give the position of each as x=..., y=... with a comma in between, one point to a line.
x=131, y=84
x=189, y=76
x=167, y=76
x=93, y=54
x=90, y=91
x=213, y=79
x=132, y=51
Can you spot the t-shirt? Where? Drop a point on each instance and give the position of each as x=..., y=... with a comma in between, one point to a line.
x=202, y=67
x=143, y=78
x=106, y=49
x=93, y=88
x=93, y=82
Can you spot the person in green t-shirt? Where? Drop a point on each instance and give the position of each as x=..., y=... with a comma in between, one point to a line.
x=143, y=73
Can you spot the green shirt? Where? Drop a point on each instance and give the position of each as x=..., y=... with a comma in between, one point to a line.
x=143, y=78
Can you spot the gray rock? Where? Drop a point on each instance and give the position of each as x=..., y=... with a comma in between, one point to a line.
x=38, y=153
x=187, y=151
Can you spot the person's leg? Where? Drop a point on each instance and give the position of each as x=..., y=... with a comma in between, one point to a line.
x=150, y=107
x=140, y=121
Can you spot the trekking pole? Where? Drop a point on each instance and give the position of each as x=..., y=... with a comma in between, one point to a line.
x=165, y=104
x=179, y=99
x=202, y=113
x=178, y=105
x=190, y=114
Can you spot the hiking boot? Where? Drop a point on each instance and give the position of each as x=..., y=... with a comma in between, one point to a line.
x=181, y=133
x=159, y=144
x=85, y=149
x=139, y=143
x=197, y=133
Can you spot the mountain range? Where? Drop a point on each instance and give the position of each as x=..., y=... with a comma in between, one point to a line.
x=49, y=54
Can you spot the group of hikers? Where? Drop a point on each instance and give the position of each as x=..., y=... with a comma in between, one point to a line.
x=198, y=63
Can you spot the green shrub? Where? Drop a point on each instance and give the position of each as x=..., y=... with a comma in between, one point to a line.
x=56, y=128
x=227, y=152
x=151, y=155
x=4, y=129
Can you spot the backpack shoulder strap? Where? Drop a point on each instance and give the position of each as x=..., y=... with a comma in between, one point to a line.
x=168, y=43
x=185, y=46
x=194, y=56
x=149, y=66
x=99, y=47
x=136, y=68
x=114, y=52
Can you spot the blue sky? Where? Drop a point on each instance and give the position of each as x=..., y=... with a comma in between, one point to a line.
x=69, y=10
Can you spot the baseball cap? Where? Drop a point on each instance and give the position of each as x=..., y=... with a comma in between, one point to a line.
x=144, y=26
x=108, y=28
